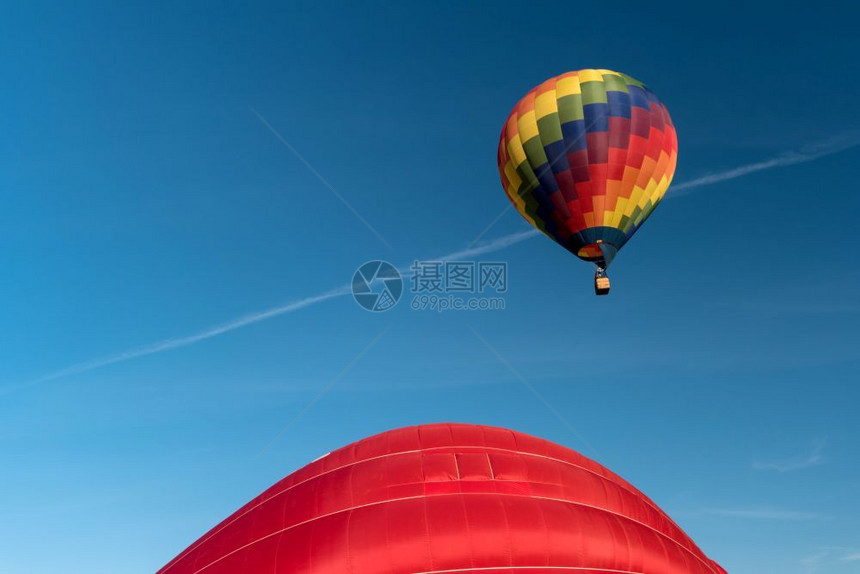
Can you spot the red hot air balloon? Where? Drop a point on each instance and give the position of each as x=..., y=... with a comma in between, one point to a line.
x=448, y=498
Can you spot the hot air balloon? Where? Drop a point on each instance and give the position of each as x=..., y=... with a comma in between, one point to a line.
x=446, y=498
x=585, y=157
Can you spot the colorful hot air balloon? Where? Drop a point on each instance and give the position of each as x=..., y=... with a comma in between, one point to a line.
x=585, y=157
x=447, y=498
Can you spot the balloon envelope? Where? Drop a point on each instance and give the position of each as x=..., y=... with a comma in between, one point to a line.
x=447, y=498
x=585, y=157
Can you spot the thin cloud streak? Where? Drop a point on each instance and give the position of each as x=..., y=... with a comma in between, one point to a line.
x=828, y=557
x=763, y=513
x=175, y=343
x=251, y=318
x=325, y=389
x=320, y=177
x=813, y=458
x=534, y=391
x=810, y=153
x=807, y=154
x=498, y=244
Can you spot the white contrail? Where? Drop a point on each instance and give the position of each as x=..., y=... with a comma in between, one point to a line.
x=251, y=318
x=167, y=344
x=811, y=153
x=496, y=245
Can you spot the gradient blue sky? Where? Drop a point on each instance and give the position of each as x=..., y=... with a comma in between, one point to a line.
x=143, y=200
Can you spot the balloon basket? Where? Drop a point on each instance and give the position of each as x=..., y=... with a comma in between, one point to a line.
x=601, y=285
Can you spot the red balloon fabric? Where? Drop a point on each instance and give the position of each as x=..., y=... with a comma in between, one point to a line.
x=448, y=498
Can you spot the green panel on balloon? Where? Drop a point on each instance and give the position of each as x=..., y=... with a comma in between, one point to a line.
x=535, y=153
x=549, y=129
x=614, y=83
x=570, y=108
x=593, y=93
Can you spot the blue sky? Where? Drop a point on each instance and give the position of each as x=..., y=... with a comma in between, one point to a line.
x=144, y=201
